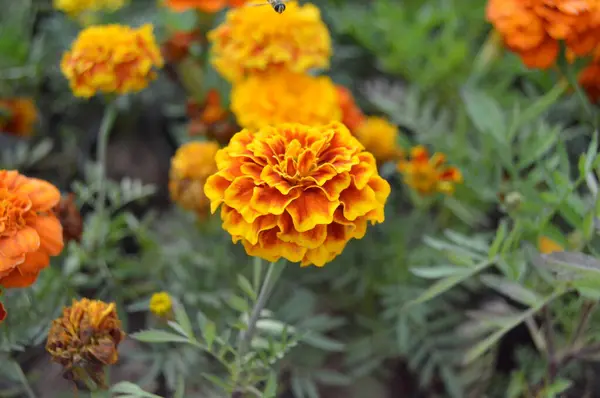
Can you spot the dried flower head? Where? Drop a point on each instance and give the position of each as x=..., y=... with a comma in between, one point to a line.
x=380, y=137
x=85, y=339
x=29, y=232
x=256, y=39
x=77, y=7
x=285, y=97
x=161, y=304
x=208, y=6
x=192, y=164
x=352, y=115
x=533, y=28
x=70, y=218
x=17, y=116
x=297, y=192
x=111, y=59
x=428, y=175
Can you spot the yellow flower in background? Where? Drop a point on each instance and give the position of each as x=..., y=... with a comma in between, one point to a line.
x=285, y=97
x=297, y=192
x=85, y=339
x=547, y=245
x=429, y=175
x=192, y=164
x=379, y=137
x=76, y=7
x=17, y=116
x=111, y=59
x=161, y=304
x=256, y=39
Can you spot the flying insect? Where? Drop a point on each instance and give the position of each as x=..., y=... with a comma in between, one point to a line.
x=278, y=5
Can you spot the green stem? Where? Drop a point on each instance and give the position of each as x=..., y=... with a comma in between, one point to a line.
x=108, y=120
x=24, y=382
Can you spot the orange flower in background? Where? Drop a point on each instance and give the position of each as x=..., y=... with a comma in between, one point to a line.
x=111, y=59
x=285, y=97
x=589, y=80
x=428, y=175
x=77, y=7
x=297, y=192
x=2, y=313
x=17, y=116
x=256, y=39
x=352, y=115
x=70, y=218
x=533, y=28
x=208, y=6
x=192, y=164
x=380, y=137
x=85, y=339
x=29, y=232
x=547, y=245
x=177, y=47
x=210, y=111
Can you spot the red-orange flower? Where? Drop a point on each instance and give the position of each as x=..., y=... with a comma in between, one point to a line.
x=352, y=115
x=70, y=218
x=177, y=47
x=29, y=232
x=297, y=192
x=428, y=175
x=533, y=28
x=2, y=313
x=17, y=116
x=208, y=6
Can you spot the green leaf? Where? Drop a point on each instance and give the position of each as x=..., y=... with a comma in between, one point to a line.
x=271, y=387
x=209, y=332
x=330, y=377
x=159, y=336
x=539, y=106
x=180, y=390
x=485, y=113
x=246, y=287
x=572, y=265
x=183, y=320
x=437, y=272
x=130, y=389
x=238, y=303
x=498, y=239
x=511, y=290
x=322, y=342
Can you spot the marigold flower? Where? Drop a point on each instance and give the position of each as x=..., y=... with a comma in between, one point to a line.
x=161, y=304
x=285, y=97
x=352, y=115
x=547, y=245
x=192, y=164
x=208, y=6
x=3, y=313
x=532, y=28
x=70, y=218
x=428, y=175
x=297, y=192
x=111, y=59
x=177, y=47
x=379, y=137
x=76, y=7
x=256, y=39
x=17, y=116
x=85, y=339
x=29, y=232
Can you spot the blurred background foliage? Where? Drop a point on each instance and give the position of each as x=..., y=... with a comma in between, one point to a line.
x=466, y=266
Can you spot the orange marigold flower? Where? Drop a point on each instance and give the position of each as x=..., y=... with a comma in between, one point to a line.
x=3, y=313
x=428, y=175
x=547, y=245
x=285, y=97
x=85, y=339
x=29, y=231
x=70, y=218
x=192, y=164
x=177, y=47
x=352, y=115
x=532, y=28
x=76, y=7
x=297, y=192
x=379, y=137
x=111, y=59
x=208, y=6
x=256, y=39
x=17, y=116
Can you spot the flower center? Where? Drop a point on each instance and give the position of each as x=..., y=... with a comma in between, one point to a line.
x=13, y=210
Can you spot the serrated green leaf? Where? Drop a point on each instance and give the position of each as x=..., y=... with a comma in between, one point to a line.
x=158, y=336
x=485, y=113
x=511, y=289
x=183, y=320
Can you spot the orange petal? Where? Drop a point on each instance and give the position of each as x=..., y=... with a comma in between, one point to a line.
x=270, y=246
x=7, y=264
x=17, y=280
x=362, y=172
x=238, y=196
x=25, y=241
x=334, y=187
x=310, y=209
x=34, y=262
x=381, y=187
x=43, y=195
x=267, y=200
x=358, y=202
x=50, y=232
x=234, y=223
x=214, y=189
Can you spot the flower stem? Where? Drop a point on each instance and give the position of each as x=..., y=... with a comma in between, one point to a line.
x=108, y=120
x=24, y=382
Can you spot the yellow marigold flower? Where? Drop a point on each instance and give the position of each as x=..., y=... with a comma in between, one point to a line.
x=85, y=339
x=256, y=39
x=547, y=245
x=111, y=59
x=379, y=137
x=76, y=7
x=285, y=97
x=17, y=116
x=161, y=304
x=297, y=192
x=192, y=164
x=428, y=175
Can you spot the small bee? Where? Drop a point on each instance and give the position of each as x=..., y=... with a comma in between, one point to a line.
x=277, y=5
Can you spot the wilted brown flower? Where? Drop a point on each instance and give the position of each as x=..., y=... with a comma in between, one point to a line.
x=70, y=218
x=85, y=339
